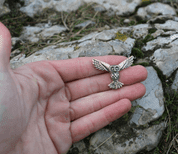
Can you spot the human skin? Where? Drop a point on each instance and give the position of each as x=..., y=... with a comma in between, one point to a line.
x=46, y=106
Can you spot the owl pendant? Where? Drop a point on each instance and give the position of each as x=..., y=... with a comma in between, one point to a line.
x=114, y=70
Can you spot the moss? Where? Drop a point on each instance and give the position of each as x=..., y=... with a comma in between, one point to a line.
x=149, y=37
x=121, y=36
x=137, y=53
x=76, y=48
x=144, y=64
x=152, y=30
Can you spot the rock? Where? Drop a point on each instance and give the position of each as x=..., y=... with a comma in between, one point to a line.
x=151, y=106
x=15, y=40
x=127, y=21
x=154, y=9
x=106, y=35
x=89, y=37
x=33, y=34
x=141, y=30
x=127, y=141
x=30, y=33
x=48, y=32
x=78, y=147
x=121, y=7
x=48, y=53
x=36, y=7
x=95, y=49
x=157, y=33
x=122, y=48
x=167, y=59
x=175, y=83
x=14, y=53
x=99, y=8
x=85, y=24
x=160, y=19
x=168, y=25
x=3, y=9
x=160, y=42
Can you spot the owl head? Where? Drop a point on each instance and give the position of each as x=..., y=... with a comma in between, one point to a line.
x=114, y=68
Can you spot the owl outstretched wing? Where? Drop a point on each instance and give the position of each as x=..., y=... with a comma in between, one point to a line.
x=100, y=65
x=126, y=63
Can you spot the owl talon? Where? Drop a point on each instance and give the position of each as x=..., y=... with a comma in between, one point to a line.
x=115, y=84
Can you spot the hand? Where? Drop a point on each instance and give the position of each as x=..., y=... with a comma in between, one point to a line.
x=48, y=105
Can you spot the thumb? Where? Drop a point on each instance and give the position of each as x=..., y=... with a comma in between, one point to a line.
x=5, y=47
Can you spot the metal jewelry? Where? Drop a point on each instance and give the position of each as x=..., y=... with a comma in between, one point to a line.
x=114, y=70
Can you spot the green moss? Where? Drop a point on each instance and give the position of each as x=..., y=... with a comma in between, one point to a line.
x=149, y=37
x=152, y=30
x=144, y=64
x=137, y=53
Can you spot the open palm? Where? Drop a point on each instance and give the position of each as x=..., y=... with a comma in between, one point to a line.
x=48, y=105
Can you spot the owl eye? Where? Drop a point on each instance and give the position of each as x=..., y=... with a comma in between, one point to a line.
x=117, y=68
x=112, y=68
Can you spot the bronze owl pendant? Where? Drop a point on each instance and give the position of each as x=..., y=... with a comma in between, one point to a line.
x=114, y=70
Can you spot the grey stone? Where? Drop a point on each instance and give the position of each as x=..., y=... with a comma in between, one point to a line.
x=48, y=53
x=95, y=49
x=106, y=35
x=99, y=8
x=79, y=148
x=48, y=32
x=88, y=37
x=106, y=141
x=127, y=21
x=122, y=48
x=30, y=33
x=151, y=106
x=121, y=7
x=156, y=43
x=141, y=30
x=155, y=9
x=175, y=83
x=3, y=9
x=33, y=34
x=85, y=24
x=160, y=19
x=168, y=25
x=167, y=59
x=157, y=33
x=14, y=40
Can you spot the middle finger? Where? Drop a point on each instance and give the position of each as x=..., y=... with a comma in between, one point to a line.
x=99, y=83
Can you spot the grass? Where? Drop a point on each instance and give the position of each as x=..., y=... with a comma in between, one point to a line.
x=16, y=20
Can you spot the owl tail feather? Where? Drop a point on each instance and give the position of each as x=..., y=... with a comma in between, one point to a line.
x=115, y=84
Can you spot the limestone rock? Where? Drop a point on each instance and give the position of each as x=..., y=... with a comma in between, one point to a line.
x=34, y=33
x=156, y=43
x=121, y=7
x=155, y=9
x=3, y=9
x=127, y=141
x=168, y=25
x=151, y=106
x=175, y=83
x=167, y=59
x=85, y=24
x=141, y=30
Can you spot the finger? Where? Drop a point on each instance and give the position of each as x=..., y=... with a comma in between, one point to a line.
x=5, y=47
x=78, y=68
x=100, y=83
x=95, y=102
x=88, y=124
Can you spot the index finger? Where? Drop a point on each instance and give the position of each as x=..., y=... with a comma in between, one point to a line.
x=78, y=68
